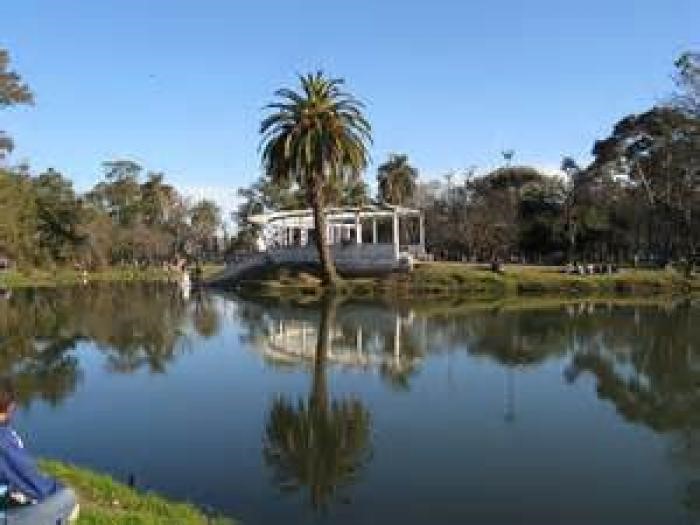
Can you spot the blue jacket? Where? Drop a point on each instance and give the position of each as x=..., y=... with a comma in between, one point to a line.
x=18, y=471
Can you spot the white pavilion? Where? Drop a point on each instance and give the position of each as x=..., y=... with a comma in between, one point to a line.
x=364, y=238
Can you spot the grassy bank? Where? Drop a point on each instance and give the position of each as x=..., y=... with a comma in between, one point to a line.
x=103, y=501
x=36, y=277
x=454, y=279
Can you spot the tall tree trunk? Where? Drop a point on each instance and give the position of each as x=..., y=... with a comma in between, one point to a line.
x=329, y=275
x=690, y=242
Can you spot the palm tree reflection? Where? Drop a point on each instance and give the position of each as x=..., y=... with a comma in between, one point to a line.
x=317, y=443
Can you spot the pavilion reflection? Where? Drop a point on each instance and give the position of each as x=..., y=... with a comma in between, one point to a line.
x=360, y=336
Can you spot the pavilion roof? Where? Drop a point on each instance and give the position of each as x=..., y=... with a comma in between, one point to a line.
x=367, y=210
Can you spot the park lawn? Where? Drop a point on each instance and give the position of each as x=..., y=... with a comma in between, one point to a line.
x=103, y=501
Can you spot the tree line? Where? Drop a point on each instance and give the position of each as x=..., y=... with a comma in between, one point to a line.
x=637, y=200
x=131, y=216
x=121, y=220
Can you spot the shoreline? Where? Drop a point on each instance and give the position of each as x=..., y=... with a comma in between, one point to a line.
x=436, y=280
x=46, y=278
x=105, y=501
x=457, y=280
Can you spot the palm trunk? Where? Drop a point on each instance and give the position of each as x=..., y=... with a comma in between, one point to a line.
x=329, y=275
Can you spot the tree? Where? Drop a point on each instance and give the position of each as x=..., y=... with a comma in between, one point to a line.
x=18, y=216
x=688, y=81
x=508, y=156
x=58, y=214
x=157, y=200
x=313, y=137
x=397, y=180
x=659, y=152
x=119, y=194
x=573, y=173
x=205, y=218
x=13, y=91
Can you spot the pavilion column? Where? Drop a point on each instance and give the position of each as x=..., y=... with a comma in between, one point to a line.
x=375, y=237
x=358, y=229
x=395, y=223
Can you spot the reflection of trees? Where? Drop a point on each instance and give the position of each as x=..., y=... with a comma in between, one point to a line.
x=134, y=326
x=49, y=374
x=318, y=444
x=205, y=316
x=516, y=338
x=36, y=351
x=650, y=371
x=645, y=359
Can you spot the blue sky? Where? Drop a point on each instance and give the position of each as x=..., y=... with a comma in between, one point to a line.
x=179, y=84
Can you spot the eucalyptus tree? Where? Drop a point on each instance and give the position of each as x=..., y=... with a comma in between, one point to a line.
x=157, y=199
x=397, y=180
x=687, y=79
x=314, y=136
x=573, y=173
x=119, y=194
x=13, y=91
x=659, y=152
x=58, y=215
x=205, y=219
x=18, y=216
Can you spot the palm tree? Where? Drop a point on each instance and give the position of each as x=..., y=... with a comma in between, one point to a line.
x=397, y=180
x=314, y=137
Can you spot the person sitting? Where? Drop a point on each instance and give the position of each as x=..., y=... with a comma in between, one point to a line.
x=28, y=496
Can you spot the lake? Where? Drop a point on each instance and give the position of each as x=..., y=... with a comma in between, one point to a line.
x=344, y=412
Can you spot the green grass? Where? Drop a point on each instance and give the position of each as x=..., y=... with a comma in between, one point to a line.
x=104, y=501
x=36, y=277
x=455, y=279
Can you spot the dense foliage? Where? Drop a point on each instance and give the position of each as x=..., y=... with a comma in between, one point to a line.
x=44, y=221
x=639, y=199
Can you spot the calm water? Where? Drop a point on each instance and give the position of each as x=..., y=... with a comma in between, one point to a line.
x=359, y=412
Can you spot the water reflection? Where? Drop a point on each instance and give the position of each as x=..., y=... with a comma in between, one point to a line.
x=642, y=360
x=318, y=444
x=135, y=327
x=205, y=315
x=361, y=335
x=649, y=369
